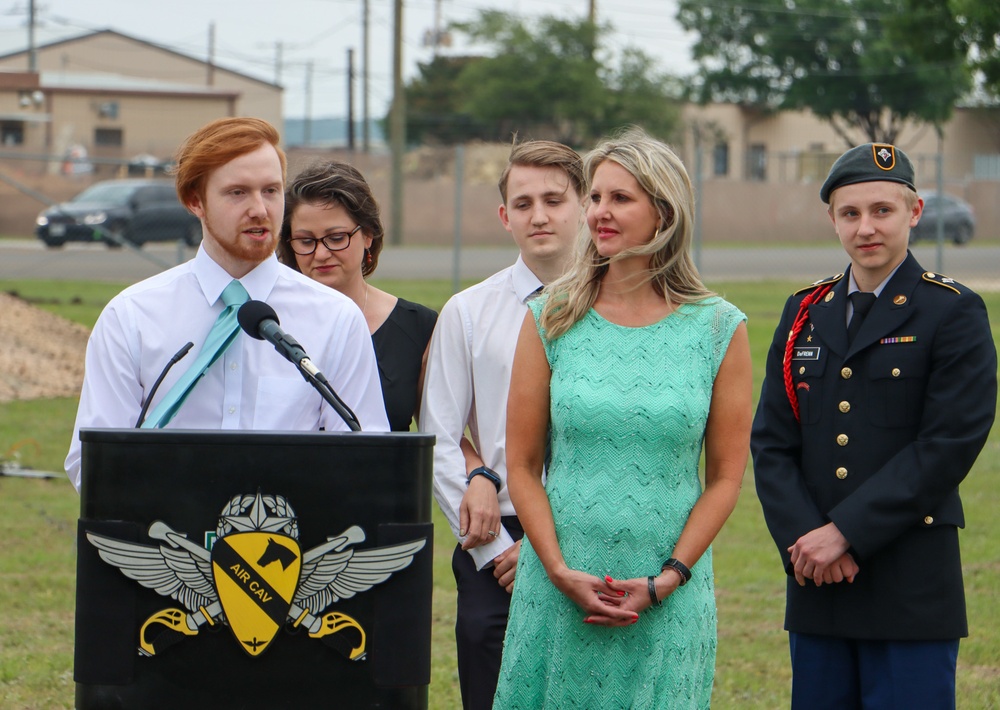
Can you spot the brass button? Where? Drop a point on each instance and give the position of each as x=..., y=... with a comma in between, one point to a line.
x=895, y=372
x=846, y=373
x=841, y=473
x=845, y=406
x=802, y=370
x=842, y=439
x=928, y=520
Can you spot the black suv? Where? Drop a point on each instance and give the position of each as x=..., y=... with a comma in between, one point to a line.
x=136, y=211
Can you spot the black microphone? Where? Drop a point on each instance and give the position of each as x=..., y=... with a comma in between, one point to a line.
x=258, y=320
x=179, y=355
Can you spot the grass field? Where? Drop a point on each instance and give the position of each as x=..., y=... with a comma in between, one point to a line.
x=37, y=534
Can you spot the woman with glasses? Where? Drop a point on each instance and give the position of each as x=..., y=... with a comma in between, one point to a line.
x=333, y=233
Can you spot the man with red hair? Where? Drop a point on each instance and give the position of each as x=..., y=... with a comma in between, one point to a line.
x=231, y=175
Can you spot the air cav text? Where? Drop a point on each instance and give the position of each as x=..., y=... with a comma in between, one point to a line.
x=252, y=585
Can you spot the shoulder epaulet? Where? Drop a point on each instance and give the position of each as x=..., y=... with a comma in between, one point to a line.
x=821, y=282
x=940, y=280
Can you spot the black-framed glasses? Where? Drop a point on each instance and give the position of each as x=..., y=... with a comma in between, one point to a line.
x=304, y=246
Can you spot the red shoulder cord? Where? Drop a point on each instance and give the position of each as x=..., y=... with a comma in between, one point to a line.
x=800, y=320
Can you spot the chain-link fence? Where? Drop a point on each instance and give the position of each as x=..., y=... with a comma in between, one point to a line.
x=450, y=203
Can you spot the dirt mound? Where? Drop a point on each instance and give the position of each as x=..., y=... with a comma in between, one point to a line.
x=41, y=354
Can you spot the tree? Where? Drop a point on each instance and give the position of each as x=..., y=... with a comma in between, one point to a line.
x=865, y=66
x=541, y=82
x=980, y=22
x=547, y=81
x=637, y=93
x=433, y=110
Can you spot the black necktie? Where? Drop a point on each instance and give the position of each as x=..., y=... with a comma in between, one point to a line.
x=863, y=303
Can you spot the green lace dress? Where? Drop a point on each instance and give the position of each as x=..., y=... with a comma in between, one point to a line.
x=628, y=413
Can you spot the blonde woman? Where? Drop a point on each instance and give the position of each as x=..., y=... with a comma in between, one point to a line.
x=634, y=367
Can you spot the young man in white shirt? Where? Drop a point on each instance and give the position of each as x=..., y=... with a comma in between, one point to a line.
x=230, y=174
x=468, y=375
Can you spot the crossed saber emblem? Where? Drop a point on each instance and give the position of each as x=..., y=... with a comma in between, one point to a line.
x=183, y=570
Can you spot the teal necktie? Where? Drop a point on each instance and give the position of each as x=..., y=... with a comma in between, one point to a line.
x=221, y=336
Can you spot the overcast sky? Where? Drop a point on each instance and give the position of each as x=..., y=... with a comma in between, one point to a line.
x=247, y=33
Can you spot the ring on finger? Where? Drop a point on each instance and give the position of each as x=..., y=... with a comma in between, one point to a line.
x=494, y=534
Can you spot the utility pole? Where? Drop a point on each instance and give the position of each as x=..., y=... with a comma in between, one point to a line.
x=307, y=122
x=365, y=137
x=397, y=126
x=592, y=19
x=210, y=64
x=437, y=37
x=350, y=99
x=437, y=26
x=32, y=51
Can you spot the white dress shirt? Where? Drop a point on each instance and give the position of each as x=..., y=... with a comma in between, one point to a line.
x=251, y=386
x=466, y=384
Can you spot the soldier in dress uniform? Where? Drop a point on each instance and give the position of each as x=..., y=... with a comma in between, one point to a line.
x=879, y=394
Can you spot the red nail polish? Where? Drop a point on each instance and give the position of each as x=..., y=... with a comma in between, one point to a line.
x=621, y=594
x=607, y=578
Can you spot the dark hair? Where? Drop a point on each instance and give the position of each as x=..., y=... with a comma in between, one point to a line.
x=214, y=145
x=545, y=154
x=333, y=184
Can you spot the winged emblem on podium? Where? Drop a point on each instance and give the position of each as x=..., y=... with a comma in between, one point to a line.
x=255, y=579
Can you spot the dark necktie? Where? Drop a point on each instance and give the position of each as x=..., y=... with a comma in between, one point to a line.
x=863, y=303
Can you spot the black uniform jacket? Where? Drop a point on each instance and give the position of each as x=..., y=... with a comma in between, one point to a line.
x=890, y=426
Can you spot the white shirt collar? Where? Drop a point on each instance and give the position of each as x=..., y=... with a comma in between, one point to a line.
x=852, y=286
x=523, y=279
x=213, y=279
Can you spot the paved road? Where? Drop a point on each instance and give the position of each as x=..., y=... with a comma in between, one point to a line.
x=977, y=265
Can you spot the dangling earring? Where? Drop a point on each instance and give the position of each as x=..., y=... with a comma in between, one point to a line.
x=368, y=257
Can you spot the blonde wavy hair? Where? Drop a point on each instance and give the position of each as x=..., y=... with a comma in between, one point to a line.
x=661, y=174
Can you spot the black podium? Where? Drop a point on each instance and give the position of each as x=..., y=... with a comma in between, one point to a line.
x=253, y=570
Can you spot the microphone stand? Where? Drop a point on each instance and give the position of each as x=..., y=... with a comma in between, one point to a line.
x=316, y=378
x=259, y=321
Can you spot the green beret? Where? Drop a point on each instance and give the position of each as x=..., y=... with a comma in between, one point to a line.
x=870, y=162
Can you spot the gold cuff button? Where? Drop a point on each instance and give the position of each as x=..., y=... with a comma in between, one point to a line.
x=845, y=407
x=842, y=439
x=802, y=370
x=895, y=372
x=928, y=520
x=841, y=473
x=846, y=373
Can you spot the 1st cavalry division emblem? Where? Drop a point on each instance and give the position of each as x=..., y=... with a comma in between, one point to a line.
x=255, y=578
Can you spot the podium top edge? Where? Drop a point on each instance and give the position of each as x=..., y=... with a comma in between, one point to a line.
x=210, y=436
